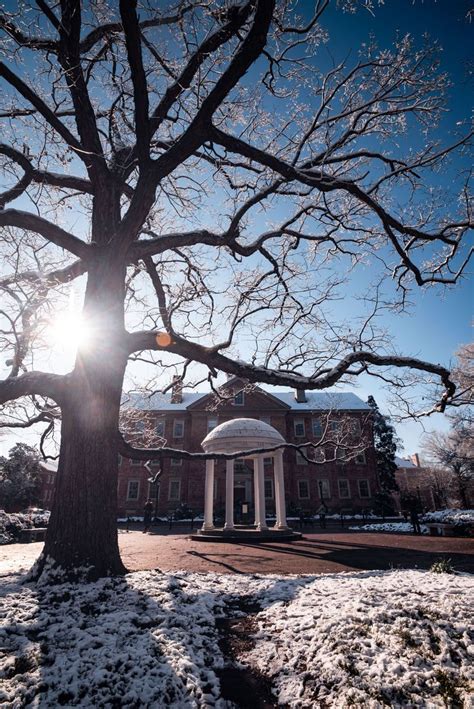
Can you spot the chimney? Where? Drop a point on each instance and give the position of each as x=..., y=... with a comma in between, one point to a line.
x=415, y=459
x=300, y=396
x=177, y=390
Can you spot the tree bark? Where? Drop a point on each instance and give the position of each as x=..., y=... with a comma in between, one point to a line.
x=82, y=531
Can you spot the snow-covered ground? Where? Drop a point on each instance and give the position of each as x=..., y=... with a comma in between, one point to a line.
x=457, y=517
x=399, y=638
x=396, y=527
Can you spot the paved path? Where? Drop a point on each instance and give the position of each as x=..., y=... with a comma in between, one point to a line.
x=323, y=552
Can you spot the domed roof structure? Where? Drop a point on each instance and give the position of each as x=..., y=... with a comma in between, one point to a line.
x=241, y=435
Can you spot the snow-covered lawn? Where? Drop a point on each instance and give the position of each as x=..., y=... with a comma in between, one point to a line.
x=150, y=639
x=395, y=527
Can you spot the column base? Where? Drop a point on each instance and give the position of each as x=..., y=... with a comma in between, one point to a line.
x=207, y=527
x=282, y=527
x=229, y=527
x=261, y=527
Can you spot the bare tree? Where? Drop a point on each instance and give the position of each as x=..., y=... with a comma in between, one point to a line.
x=213, y=189
x=454, y=451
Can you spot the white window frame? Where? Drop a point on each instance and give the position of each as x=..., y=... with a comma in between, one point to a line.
x=176, y=424
x=133, y=499
x=269, y=481
x=341, y=496
x=326, y=488
x=176, y=462
x=267, y=462
x=364, y=497
x=160, y=428
x=134, y=461
x=356, y=428
x=296, y=423
x=300, y=496
x=341, y=454
x=172, y=482
x=335, y=425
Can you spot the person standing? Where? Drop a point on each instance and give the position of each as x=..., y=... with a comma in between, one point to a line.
x=322, y=512
x=147, y=512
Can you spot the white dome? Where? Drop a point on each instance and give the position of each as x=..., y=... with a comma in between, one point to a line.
x=241, y=435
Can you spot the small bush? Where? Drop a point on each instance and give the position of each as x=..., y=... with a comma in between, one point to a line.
x=442, y=566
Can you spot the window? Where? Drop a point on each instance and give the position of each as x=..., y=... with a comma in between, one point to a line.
x=269, y=489
x=119, y=459
x=174, y=490
x=334, y=426
x=364, y=488
x=317, y=428
x=303, y=489
x=300, y=460
x=140, y=426
x=160, y=428
x=360, y=458
x=267, y=462
x=355, y=427
x=344, y=489
x=135, y=462
x=155, y=463
x=178, y=428
x=239, y=398
x=340, y=455
x=133, y=489
x=175, y=462
x=298, y=427
x=266, y=419
x=239, y=465
x=323, y=489
x=212, y=422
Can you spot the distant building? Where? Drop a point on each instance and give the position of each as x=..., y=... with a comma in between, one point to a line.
x=430, y=486
x=47, y=472
x=181, y=420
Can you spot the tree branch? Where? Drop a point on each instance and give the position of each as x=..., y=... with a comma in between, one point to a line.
x=46, y=229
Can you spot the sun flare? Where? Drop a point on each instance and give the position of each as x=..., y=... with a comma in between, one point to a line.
x=69, y=331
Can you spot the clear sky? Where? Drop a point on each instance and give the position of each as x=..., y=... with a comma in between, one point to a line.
x=440, y=319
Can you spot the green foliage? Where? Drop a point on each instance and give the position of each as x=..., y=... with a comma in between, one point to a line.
x=442, y=566
x=384, y=503
x=385, y=441
x=19, y=477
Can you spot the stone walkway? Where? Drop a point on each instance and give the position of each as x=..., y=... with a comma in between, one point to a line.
x=318, y=552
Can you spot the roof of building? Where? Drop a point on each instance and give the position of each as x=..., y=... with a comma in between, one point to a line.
x=404, y=463
x=324, y=401
x=315, y=400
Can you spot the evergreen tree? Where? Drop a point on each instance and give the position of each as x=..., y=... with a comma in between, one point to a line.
x=19, y=477
x=385, y=442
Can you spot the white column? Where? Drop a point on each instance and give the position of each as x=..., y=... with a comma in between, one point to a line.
x=209, y=496
x=280, y=506
x=229, y=495
x=256, y=495
x=261, y=493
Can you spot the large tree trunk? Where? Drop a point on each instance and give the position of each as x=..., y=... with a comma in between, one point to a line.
x=83, y=527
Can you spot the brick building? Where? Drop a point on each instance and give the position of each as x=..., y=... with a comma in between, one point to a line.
x=345, y=478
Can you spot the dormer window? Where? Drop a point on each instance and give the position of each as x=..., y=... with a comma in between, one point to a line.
x=239, y=398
